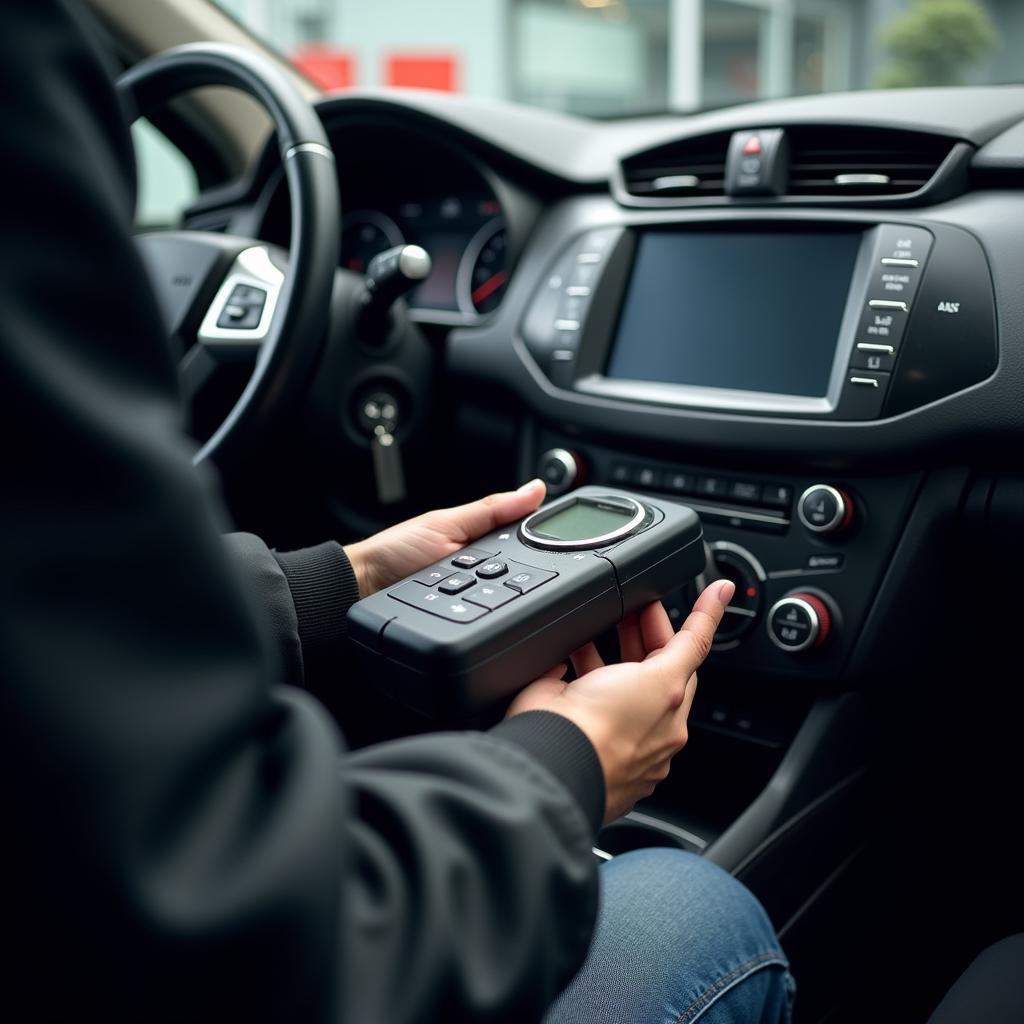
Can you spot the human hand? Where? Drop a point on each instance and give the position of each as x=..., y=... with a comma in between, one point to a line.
x=393, y=554
x=635, y=713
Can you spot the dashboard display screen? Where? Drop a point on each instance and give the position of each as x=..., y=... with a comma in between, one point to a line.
x=750, y=311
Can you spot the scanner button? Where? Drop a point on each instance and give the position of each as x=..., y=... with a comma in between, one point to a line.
x=433, y=574
x=490, y=596
x=467, y=558
x=492, y=570
x=456, y=584
x=524, y=579
x=453, y=609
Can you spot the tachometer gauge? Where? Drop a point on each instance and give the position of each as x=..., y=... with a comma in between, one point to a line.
x=482, y=272
x=364, y=234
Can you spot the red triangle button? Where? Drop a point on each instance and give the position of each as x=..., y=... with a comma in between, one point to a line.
x=752, y=146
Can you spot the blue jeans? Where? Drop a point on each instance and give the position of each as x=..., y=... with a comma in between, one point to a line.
x=678, y=940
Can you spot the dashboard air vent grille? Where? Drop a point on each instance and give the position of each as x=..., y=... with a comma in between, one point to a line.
x=862, y=161
x=691, y=168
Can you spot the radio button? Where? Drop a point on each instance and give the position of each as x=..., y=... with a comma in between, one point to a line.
x=873, y=357
x=899, y=242
x=712, y=487
x=898, y=283
x=647, y=476
x=743, y=490
x=679, y=483
x=862, y=395
x=882, y=326
x=777, y=495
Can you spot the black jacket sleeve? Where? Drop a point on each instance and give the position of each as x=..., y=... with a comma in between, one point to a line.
x=306, y=595
x=184, y=837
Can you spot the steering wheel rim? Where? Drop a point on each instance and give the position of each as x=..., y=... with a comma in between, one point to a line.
x=297, y=322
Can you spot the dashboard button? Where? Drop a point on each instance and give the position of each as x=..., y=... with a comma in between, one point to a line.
x=712, y=486
x=798, y=622
x=647, y=476
x=825, y=509
x=882, y=326
x=620, y=473
x=453, y=609
x=898, y=283
x=862, y=395
x=490, y=596
x=900, y=242
x=869, y=356
x=744, y=490
x=679, y=483
x=777, y=495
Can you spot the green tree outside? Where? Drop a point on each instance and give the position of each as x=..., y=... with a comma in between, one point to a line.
x=935, y=43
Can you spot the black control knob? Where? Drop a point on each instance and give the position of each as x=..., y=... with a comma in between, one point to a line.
x=825, y=509
x=561, y=470
x=729, y=561
x=799, y=622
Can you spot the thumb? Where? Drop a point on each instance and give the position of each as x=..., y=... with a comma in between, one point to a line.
x=480, y=517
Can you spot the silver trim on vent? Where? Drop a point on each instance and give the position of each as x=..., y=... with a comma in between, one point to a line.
x=676, y=181
x=862, y=179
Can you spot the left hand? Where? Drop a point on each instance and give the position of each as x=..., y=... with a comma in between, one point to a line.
x=394, y=553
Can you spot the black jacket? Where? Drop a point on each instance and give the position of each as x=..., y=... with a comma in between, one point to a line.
x=184, y=836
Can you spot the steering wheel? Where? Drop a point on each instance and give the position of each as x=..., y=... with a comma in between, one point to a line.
x=224, y=297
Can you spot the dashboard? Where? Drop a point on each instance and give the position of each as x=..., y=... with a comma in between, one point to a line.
x=407, y=188
x=792, y=315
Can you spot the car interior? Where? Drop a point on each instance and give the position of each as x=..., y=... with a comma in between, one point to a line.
x=802, y=317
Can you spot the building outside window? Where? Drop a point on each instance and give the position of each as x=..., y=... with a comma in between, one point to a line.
x=615, y=57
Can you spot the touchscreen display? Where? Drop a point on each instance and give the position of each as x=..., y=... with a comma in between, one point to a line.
x=756, y=312
x=582, y=521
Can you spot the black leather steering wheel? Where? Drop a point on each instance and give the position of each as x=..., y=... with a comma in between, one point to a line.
x=225, y=297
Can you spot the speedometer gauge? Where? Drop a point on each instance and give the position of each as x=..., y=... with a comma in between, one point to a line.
x=482, y=272
x=364, y=234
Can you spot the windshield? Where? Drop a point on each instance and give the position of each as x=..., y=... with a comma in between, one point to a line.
x=606, y=58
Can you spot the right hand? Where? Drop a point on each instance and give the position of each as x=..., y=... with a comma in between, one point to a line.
x=635, y=713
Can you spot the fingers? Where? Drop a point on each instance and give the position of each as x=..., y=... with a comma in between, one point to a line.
x=655, y=627
x=631, y=644
x=586, y=659
x=480, y=517
x=685, y=652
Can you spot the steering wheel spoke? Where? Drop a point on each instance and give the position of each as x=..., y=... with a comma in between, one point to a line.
x=241, y=315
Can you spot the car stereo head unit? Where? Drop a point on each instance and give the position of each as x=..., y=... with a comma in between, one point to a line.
x=783, y=317
x=480, y=624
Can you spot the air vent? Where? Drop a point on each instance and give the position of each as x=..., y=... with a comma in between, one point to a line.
x=862, y=161
x=691, y=169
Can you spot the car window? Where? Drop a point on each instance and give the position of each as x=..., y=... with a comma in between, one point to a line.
x=167, y=182
x=616, y=57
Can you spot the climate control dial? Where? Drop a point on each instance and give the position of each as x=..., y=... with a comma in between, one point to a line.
x=825, y=509
x=799, y=622
x=730, y=561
